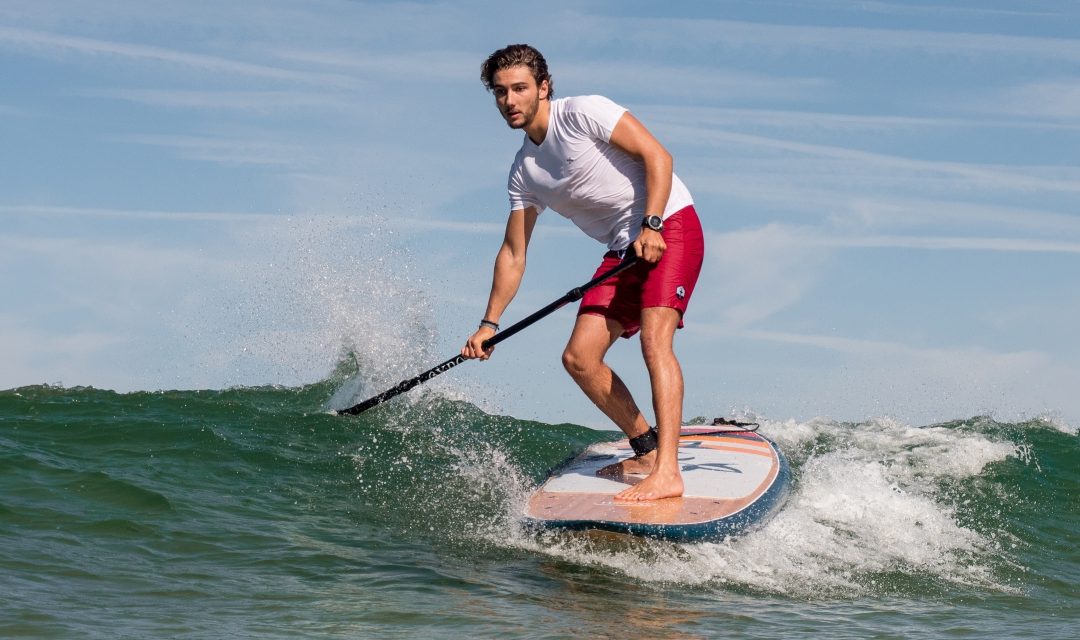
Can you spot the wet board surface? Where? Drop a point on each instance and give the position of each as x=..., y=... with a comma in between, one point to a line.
x=734, y=480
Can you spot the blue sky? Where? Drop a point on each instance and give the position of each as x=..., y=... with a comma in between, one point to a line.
x=206, y=194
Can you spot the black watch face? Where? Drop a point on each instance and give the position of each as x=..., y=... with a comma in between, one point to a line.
x=655, y=223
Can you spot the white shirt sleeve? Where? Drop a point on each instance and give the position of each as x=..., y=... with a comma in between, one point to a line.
x=520, y=196
x=595, y=116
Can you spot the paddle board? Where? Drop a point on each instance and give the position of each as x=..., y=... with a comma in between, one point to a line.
x=734, y=480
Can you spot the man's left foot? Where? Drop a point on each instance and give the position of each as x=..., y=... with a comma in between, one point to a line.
x=638, y=465
x=656, y=487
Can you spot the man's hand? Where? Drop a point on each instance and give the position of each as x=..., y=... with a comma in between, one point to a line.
x=650, y=246
x=474, y=346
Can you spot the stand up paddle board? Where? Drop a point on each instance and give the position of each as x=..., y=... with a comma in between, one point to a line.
x=734, y=479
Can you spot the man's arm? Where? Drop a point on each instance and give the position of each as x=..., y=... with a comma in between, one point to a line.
x=509, y=269
x=632, y=137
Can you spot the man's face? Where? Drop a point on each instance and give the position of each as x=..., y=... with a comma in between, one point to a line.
x=517, y=95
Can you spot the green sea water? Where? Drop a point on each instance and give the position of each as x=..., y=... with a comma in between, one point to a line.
x=255, y=513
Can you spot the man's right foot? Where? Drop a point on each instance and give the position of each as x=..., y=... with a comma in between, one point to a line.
x=656, y=487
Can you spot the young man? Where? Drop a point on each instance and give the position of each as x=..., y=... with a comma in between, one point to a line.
x=594, y=163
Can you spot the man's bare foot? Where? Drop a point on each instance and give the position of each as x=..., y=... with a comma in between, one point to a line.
x=657, y=486
x=638, y=465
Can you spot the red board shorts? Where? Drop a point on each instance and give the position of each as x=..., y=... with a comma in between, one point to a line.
x=667, y=283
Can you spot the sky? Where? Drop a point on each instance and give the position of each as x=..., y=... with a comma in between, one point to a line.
x=200, y=195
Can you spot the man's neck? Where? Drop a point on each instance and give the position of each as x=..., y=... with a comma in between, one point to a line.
x=537, y=129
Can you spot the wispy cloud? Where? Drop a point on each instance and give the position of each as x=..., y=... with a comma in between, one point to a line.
x=875, y=349
x=728, y=34
x=699, y=83
x=261, y=102
x=934, y=9
x=786, y=236
x=861, y=209
x=36, y=356
x=13, y=112
x=443, y=66
x=752, y=274
x=1053, y=99
x=985, y=176
x=945, y=243
x=755, y=273
x=908, y=381
x=817, y=121
x=412, y=224
x=899, y=212
x=770, y=245
x=38, y=42
x=228, y=151
x=140, y=214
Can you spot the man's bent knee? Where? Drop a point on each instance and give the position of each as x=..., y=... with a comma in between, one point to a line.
x=574, y=364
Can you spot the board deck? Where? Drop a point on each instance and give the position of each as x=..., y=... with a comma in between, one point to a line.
x=733, y=480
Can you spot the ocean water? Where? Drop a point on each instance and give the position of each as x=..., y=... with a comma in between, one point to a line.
x=255, y=513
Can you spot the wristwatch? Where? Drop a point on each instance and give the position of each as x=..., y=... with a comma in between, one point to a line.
x=656, y=223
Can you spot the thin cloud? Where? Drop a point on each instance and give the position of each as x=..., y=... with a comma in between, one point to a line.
x=419, y=225
x=1052, y=99
x=918, y=383
x=782, y=238
x=34, y=356
x=803, y=121
x=141, y=214
x=443, y=66
x=729, y=34
x=978, y=174
x=227, y=151
x=788, y=236
x=873, y=349
x=39, y=41
x=262, y=102
x=758, y=273
x=14, y=112
x=705, y=83
x=939, y=10
x=945, y=243
x=847, y=208
x=899, y=211
x=763, y=271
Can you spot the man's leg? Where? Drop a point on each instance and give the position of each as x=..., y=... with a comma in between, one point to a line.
x=658, y=326
x=584, y=360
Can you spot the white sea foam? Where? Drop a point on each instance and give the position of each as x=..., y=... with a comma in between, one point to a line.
x=330, y=290
x=867, y=509
x=1057, y=422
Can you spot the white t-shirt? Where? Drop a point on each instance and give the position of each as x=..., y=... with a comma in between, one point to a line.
x=577, y=172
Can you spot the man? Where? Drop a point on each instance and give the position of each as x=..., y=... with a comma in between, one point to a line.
x=596, y=164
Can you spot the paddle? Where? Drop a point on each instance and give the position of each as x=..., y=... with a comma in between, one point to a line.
x=405, y=385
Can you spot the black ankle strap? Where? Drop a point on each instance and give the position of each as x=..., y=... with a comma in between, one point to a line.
x=644, y=443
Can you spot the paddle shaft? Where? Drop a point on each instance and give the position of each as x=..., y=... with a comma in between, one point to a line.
x=405, y=385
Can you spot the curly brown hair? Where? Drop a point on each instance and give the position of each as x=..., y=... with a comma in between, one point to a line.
x=514, y=55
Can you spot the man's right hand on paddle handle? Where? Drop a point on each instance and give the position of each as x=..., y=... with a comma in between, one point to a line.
x=650, y=246
x=473, y=346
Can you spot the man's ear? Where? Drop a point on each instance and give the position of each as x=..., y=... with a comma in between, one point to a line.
x=545, y=90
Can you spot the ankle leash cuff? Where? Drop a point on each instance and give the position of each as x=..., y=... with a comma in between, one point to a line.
x=644, y=443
